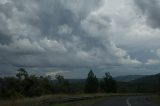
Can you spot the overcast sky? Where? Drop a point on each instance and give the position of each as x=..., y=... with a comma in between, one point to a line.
x=70, y=37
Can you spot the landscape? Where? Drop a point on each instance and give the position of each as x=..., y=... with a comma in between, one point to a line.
x=79, y=53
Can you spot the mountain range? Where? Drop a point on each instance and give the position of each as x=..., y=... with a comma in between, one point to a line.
x=145, y=79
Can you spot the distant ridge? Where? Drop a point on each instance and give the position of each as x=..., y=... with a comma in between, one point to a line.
x=128, y=78
x=150, y=79
x=139, y=79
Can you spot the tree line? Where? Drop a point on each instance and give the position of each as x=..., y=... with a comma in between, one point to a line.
x=107, y=84
x=25, y=85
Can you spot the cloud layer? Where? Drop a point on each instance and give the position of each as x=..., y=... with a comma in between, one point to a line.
x=73, y=36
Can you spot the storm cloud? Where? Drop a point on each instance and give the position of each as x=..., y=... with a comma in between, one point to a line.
x=150, y=10
x=74, y=36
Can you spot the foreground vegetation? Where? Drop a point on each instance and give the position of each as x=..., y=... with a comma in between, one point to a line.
x=49, y=99
x=58, y=100
x=79, y=103
x=25, y=89
x=25, y=85
x=156, y=98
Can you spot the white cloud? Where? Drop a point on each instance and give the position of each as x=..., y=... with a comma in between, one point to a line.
x=52, y=45
x=158, y=52
x=64, y=29
x=153, y=62
x=98, y=24
x=54, y=73
x=22, y=46
x=123, y=57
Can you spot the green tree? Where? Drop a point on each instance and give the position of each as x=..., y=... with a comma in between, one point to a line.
x=63, y=85
x=60, y=78
x=91, y=84
x=108, y=84
x=22, y=74
x=159, y=85
x=8, y=87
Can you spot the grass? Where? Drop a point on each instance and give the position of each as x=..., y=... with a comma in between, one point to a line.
x=37, y=101
x=79, y=103
x=156, y=98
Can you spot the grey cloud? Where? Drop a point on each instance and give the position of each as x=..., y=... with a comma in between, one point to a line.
x=150, y=8
x=64, y=34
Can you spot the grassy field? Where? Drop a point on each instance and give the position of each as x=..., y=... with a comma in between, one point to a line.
x=38, y=101
x=79, y=103
x=156, y=98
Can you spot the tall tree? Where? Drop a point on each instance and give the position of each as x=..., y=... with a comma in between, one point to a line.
x=63, y=85
x=22, y=74
x=108, y=84
x=159, y=85
x=91, y=84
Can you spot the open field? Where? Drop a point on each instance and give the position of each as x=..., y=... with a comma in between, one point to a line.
x=116, y=101
x=43, y=99
x=156, y=98
x=79, y=103
x=50, y=99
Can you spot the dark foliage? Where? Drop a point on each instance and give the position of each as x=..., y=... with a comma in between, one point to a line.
x=62, y=85
x=91, y=84
x=24, y=85
x=108, y=84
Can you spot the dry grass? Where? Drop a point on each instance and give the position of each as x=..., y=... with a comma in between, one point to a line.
x=30, y=101
x=79, y=103
x=38, y=101
x=156, y=98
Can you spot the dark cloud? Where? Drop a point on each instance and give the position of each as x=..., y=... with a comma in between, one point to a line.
x=66, y=36
x=150, y=8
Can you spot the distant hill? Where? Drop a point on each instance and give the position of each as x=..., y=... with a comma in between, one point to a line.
x=128, y=78
x=134, y=79
x=150, y=79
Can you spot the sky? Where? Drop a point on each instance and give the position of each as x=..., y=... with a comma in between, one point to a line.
x=70, y=37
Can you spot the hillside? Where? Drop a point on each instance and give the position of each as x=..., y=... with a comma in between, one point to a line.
x=151, y=80
x=128, y=78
